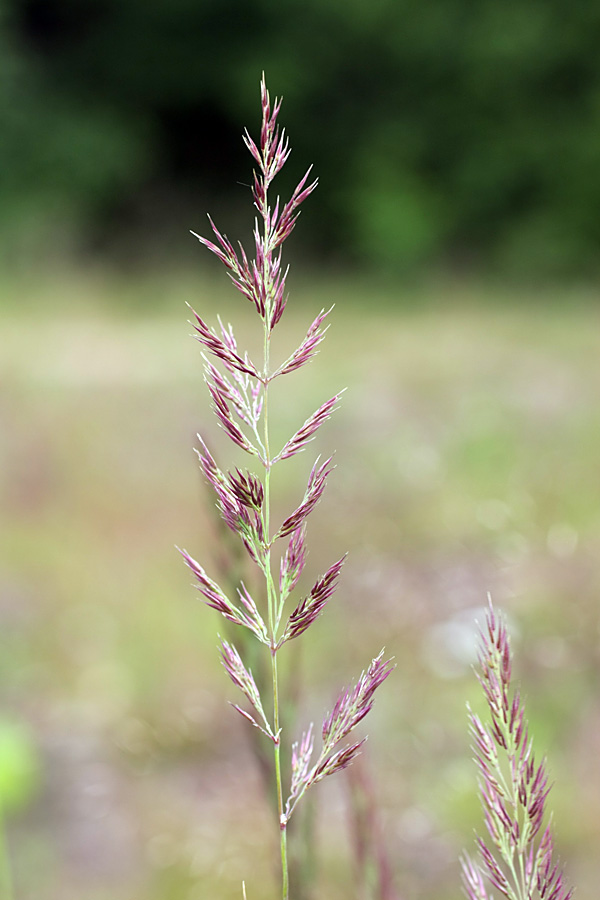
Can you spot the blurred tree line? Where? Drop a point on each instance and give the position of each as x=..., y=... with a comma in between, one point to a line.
x=443, y=131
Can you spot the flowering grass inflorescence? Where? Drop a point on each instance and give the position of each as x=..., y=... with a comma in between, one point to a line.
x=513, y=789
x=240, y=400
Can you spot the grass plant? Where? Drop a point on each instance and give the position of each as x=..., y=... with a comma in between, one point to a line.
x=518, y=858
x=240, y=392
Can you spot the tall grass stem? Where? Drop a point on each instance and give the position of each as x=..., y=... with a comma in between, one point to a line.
x=240, y=397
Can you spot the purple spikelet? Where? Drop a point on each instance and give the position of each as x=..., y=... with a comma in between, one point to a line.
x=353, y=705
x=292, y=563
x=512, y=787
x=249, y=616
x=312, y=495
x=350, y=708
x=308, y=348
x=311, y=607
x=307, y=432
x=244, y=680
x=221, y=348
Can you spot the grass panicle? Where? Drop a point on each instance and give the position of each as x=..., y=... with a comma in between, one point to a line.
x=239, y=391
x=518, y=856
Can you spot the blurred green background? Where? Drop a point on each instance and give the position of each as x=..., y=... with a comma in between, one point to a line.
x=444, y=132
x=456, y=230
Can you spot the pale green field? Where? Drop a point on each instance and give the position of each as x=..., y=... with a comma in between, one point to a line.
x=467, y=451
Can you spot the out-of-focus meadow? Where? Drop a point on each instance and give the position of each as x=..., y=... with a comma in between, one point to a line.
x=467, y=462
x=456, y=229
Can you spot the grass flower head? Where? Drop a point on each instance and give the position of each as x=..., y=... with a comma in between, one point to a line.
x=239, y=391
x=517, y=858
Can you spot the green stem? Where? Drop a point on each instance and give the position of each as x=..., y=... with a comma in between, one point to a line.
x=282, y=819
x=273, y=618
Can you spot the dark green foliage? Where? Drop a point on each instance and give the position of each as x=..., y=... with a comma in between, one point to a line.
x=441, y=132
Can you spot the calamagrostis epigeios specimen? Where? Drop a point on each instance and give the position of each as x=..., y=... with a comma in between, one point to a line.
x=239, y=390
x=517, y=856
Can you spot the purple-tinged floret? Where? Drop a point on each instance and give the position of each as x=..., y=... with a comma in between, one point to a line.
x=308, y=348
x=314, y=490
x=292, y=562
x=311, y=607
x=307, y=432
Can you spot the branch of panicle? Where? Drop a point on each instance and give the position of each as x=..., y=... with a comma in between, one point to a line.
x=513, y=797
x=239, y=500
x=292, y=563
x=306, y=433
x=283, y=225
x=310, y=607
x=301, y=756
x=222, y=410
x=214, y=597
x=312, y=495
x=244, y=397
x=307, y=349
x=244, y=680
x=350, y=708
x=223, y=347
